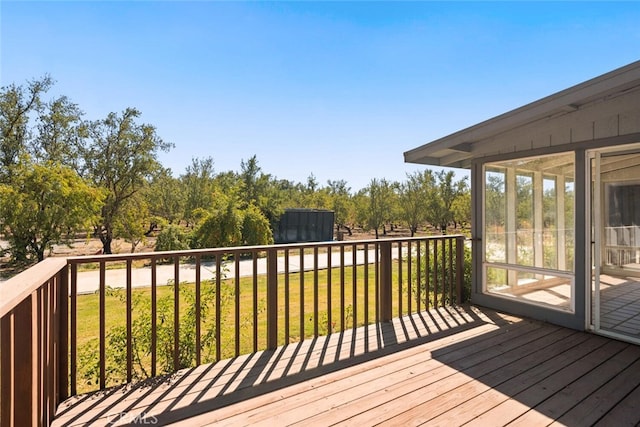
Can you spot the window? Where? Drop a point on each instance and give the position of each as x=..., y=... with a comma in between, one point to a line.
x=528, y=229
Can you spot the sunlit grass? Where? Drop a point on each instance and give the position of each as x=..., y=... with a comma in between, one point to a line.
x=310, y=310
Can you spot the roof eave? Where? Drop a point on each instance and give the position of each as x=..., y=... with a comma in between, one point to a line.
x=457, y=148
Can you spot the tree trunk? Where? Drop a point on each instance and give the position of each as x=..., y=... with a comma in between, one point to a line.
x=106, y=238
x=377, y=233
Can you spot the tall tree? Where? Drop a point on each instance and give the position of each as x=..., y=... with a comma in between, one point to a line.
x=414, y=199
x=380, y=204
x=341, y=202
x=133, y=221
x=120, y=157
x=441, y=199
x=60, y=132
x=260, y=189
x=45, y=205
x=198, y=186
x=16, y=105
x=165, y=197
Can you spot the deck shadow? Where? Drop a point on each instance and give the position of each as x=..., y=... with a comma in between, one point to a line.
x=210, y=387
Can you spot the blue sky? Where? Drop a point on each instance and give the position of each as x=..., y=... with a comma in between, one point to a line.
x=336, y=89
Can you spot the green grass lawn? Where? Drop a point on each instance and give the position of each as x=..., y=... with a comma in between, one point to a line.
x=247, y=319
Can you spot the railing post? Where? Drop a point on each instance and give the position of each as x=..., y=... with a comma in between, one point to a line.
x=459, y=268
x=385, y=281
x=17, y=387
x=272, y=298
x=63, y=331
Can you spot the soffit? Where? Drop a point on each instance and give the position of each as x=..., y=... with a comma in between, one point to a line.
x=457, y=149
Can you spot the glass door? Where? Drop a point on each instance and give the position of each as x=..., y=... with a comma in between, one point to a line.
x=615, y=242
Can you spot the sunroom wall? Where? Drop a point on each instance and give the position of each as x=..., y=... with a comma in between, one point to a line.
x=572, y=314
x=528, y=230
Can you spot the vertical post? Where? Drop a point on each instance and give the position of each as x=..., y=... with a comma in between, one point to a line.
x=272, y=298
x=6, y=367
x=154, y=321
x=561, y=242
x=385, y=281
x=198, y=311
x=176, y=313
x=459, y=268
x=129, y=298
x=511, y=224
x=102, y=326
x=63, y=335
x=218, y=304
x=315, y=292
x=24, y=408
x=73, y=332
x=254, y=257
x=287, y=307
x=538, y=219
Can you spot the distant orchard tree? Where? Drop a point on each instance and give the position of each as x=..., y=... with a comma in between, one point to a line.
x=441, y=198
x=165, y=198
x=132, y=222
x=173, y=238
x=255, y=227
x=379, y=208
x=414, y=199
x=197, y=187
x=341, y=203
x=220, y=228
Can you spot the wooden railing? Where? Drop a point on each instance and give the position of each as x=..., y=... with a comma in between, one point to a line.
x=34, y=344
x=128, y=317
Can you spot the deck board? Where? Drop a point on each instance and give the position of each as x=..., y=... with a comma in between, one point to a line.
x=454, y=366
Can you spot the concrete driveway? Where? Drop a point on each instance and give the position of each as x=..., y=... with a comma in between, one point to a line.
x=88, y=281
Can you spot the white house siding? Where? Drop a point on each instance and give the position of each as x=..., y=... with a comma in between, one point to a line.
x=597, y=120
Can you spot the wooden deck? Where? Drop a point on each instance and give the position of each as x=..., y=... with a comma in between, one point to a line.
x=455, y=366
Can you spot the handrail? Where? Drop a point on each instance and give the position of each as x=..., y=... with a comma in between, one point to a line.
x=284, y=299
x=19, y=287
x=34, y=374
x=240, y=249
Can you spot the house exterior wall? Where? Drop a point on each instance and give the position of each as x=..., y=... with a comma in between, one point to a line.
x=597, y=120
x=614, y=120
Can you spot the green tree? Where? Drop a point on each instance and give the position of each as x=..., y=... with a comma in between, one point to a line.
x=220, y=228
x=16, y=105
x=132, y=221
x=60, y=131
x=172, y=238
x=261, y=190
x=441, y=199
x=341, y=203
x=45, y=205
x=165, y=198
x=380, y=204
x=198, y=187
x=462, y=209
x=120, y=157
x=413, y=195
x=256, y=229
